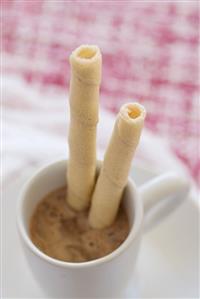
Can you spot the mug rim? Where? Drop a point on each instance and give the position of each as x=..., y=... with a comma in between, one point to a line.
x=134, y=230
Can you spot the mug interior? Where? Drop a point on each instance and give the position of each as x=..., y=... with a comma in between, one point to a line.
x=52, y=177
x=43, y=182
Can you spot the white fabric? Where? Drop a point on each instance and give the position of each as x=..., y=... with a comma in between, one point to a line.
x=35, y=124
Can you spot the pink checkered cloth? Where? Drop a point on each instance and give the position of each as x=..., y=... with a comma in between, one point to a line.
x=150, y=53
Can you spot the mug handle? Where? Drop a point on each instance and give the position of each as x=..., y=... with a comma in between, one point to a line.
x=161, y=196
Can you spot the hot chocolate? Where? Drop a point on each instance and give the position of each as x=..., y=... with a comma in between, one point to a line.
x=65, y=234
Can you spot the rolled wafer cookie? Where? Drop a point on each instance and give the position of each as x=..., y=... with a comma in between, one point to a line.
x=116, y=165
x=84, y=107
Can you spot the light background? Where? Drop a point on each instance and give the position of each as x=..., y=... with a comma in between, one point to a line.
x=150, y=54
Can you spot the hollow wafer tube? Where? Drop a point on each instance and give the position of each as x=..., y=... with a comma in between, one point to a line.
x=116, y=165
x=84, y=106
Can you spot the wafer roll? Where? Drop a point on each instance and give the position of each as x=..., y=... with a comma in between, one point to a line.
x=116, y=165
x=84, y=107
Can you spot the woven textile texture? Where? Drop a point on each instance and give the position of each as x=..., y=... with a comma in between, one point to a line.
x=150, y=54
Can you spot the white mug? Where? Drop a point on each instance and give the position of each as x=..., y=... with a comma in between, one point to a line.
x=107, y=276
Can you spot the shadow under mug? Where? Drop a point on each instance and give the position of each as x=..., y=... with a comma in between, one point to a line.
x=107, y=276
